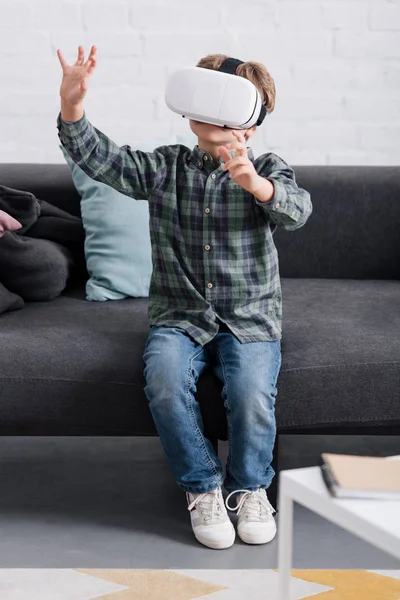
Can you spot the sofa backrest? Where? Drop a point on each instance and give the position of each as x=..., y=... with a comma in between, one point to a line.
x=353, y=233
x=52, y=183
x=354, y=230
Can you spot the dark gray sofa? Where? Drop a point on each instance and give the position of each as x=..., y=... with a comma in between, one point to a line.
x=71, y=367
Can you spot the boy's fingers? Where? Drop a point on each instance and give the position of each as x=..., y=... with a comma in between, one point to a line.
x=239, y=167
x=92, y=56
x=62, y=60
x=92, y=67
x=240, y=147
x=239, y=135
x=239, y=158
x=234, y=162
x=223, y=152
x=237, y=172
x=81, y=56
x=90, y=64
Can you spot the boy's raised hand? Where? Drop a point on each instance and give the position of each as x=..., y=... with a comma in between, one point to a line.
x=240, y=167
x=75, y=78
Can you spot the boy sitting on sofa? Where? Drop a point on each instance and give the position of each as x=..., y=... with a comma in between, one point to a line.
x=215, y=294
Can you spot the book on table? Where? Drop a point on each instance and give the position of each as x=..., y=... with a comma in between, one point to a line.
x=369, y=477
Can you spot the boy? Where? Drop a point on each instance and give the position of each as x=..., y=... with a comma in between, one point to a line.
x=215, y=296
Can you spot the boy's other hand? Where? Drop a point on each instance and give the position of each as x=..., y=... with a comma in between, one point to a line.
x=240, y=167
x=75, y=79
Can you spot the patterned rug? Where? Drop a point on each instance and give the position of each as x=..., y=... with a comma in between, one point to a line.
x=142, y=584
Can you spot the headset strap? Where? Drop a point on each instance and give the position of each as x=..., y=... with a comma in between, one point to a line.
x=229, y=66
x=263, y=114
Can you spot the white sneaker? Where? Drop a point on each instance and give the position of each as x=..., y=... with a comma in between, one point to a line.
x=211, y=524
x=256, y=524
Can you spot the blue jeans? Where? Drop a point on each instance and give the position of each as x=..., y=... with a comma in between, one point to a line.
x=173, y=364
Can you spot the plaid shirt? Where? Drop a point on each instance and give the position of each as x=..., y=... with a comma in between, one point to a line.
x=214, y=258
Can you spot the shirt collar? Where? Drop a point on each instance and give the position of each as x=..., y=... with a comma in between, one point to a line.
x=204, y=160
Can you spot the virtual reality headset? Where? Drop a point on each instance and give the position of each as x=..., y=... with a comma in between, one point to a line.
x=216, y=97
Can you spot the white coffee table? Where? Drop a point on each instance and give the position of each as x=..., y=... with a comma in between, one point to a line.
x=376, y=521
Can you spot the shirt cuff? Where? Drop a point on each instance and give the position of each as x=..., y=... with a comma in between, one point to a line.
x=280, y=202
x=72, y=126
x=78, y=137
x=278, y=199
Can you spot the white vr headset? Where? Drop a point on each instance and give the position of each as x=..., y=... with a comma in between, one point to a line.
x=216, y=97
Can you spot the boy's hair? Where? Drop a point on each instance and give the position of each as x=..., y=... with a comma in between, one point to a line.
x=253, y=71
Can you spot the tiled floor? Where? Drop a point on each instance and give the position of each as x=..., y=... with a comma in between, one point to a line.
x=112, y=503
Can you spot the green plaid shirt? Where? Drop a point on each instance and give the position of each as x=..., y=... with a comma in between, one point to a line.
x=214, y=257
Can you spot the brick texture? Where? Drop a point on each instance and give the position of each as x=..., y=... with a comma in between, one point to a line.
x=336, y=64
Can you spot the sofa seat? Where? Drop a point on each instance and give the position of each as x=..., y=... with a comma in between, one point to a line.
x=72, y=367
x=341, y=353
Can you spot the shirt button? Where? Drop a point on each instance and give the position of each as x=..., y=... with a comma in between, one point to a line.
x=277, y=205
x=209, y=285
x=200, y=163
x=206, y=157
x=207, y=210
x=213, y=176
x=207, y=247
x=293, y=213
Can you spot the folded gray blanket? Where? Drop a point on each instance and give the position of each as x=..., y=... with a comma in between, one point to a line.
x=36, y=260
x=23, y=206
x=34, y=269
x=9, y=301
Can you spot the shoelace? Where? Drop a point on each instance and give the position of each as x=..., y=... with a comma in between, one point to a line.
x=209, y=505
x=254, y=503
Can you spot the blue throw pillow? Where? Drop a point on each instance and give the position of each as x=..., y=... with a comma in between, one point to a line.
x=117, y=242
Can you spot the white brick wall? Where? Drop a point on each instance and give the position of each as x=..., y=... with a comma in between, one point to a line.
x=336, y=64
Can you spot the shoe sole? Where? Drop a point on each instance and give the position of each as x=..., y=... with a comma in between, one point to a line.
x=261, y=539
x=218, y=544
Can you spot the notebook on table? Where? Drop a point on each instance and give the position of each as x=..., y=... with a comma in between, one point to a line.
x=348, y=476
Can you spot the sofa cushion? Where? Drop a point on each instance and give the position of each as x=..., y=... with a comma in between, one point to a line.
x=341, y=352
x=117, y=242
x=70, y=367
